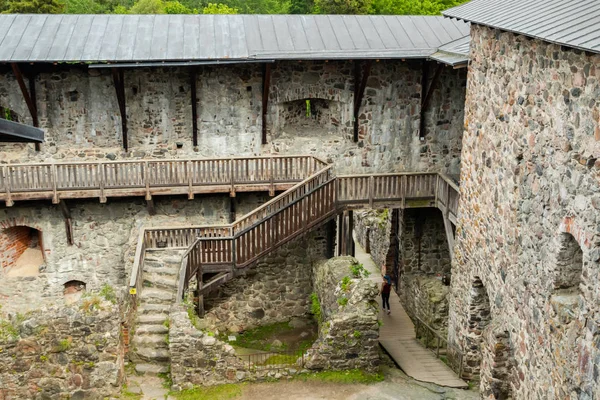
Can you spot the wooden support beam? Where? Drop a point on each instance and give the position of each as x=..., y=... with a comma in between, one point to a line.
x=193, y=77
x=351, y=250
x=68, y=223
x=265, y=100
x=360, y=84
x=150, y=206
x=28, y=95
x=118, y=80
x=340, y=234
x=426, y=94
x=231, y=210
x=330, y=237
x=200, y=305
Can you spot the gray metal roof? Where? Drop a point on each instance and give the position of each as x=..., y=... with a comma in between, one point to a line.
x=573, y=23
x=15, y=132
x=144, y=38
x=454, y=53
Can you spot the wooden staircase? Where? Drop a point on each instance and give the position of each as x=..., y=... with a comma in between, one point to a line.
x=218, y=252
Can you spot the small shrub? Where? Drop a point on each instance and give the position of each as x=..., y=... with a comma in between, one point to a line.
x=346, y=282
x=108, y=293
x=91, y=304
x=357, y=334
x=315, y=306
x=63, y=345
x=358, y=271
x=43, y=358
x=342, y=301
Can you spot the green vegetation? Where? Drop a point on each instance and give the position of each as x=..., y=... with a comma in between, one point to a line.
x=359, y=271
x=342, y=301
x=349, y=377
x=345, y=284
x=221, y=392
x=91, y=304
x=108, y=293
x=63, y=345
x=315, y=307
x=43, y=358
x=260, y=338
x=166, y=378
x=10, y=329
x=382, y=7
x=357, y=334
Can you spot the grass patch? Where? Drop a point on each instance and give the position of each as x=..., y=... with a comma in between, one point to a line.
x=315, y=307
x=108, y=292
x=359, y=271
x=345, y=284
x=282, y=359
x=259, y=338
x=346, y=377
x=342, y=301
x=221, y=392
x=167, y=382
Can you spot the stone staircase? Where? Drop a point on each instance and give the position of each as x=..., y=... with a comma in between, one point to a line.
x=150, y=346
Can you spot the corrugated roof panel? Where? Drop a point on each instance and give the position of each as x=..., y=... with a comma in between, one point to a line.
x=298, y=35
x=44, y=41
x=238, y=42
x=175, y=37
x=327, y=33
x=126, y=45
x=79, y=38
x=356, y=33
x=63, y=37
x=207, y=38
x=341, y=32
x=93, y=44
x=30, y=37
x=110, y=41
x=556, y=21
x=140, y=38
x=13, y=37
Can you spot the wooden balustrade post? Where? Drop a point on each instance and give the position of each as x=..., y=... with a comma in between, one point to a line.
x=190, y=180
x=102, y=182
x=404, y=193
x=147, y=181
x=371, y=190
x=349, y=231
x=200, y=306
x=8, y=200
x=271, y=177
x=340, y=234
x=54, y=191
x=232, y=190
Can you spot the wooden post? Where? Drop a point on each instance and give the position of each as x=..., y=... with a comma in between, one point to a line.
x=359, y=91
x=340, y=234
x=231, y=211
x=68, y=225
x=193, y=77
x=200, y=307
x=426, y=94
x=265, y=100
x=330, y=251
x=5, y=177
x=349, y=231
x=118, y=80
x=150, y=206
x=28, y=95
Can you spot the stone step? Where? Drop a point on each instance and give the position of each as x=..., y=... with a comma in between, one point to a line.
x=160, y=281
x=154, y=341
x=157, y=295
x=151, y=369
x=162, y=269
x=151, y=354
x=151, y=319
x=153, y=308
x=151, y=329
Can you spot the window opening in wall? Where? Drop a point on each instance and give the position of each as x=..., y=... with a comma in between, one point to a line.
x=22, y=251
x=569, y=269
x=311, y=117
x=8, y=114
x=73, y=291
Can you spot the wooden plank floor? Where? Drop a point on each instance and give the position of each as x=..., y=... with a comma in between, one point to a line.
x=397, y=336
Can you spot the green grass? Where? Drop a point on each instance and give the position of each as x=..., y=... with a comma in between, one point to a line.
x=281, y=359
x=342, y=301
x=108, y=293
x=315, y=307
x=167, y=382
x=347, y=377
x=221, y=392
x=259, y=338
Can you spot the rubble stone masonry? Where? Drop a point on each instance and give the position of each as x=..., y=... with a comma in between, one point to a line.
x=529, y=178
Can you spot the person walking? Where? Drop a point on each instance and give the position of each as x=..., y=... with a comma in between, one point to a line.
x=386, y=288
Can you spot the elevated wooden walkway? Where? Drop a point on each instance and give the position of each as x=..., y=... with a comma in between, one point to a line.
x=398, y=338
x=103, y=179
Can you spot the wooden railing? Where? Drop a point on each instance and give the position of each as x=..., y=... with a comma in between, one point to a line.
x=123, y=178
x=222, y=248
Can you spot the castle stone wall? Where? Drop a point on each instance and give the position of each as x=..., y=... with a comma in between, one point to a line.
x=78, y=109
x=530, y=174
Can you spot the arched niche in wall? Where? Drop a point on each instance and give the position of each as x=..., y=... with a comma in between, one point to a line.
x=568, y=271
x=73, y=291
x=312, y=117
x=479, y=318
x=21, y=251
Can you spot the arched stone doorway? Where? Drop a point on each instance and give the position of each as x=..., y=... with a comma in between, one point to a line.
x=21, y=251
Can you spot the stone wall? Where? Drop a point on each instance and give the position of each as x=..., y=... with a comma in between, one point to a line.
x=529, y=175
x=372, y=230
x=64, y=352
x=425, y=297
x=78, y=110
x=348, y=330
x=277, y=288
x=104, y=235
